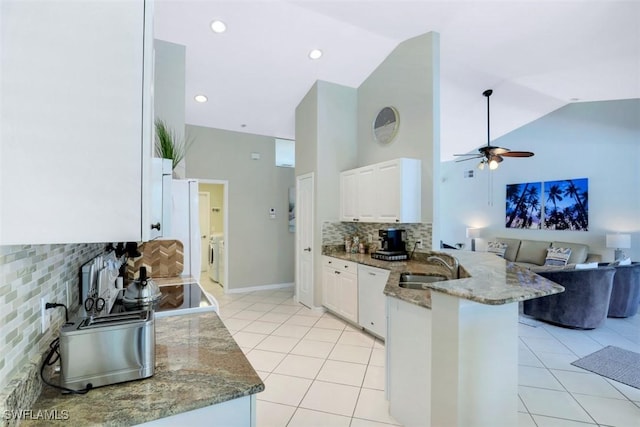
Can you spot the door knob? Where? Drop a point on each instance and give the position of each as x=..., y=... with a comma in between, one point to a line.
x=307, y=249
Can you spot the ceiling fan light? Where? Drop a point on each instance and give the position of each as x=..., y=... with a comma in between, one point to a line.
x=493, y=164
x=481, y=165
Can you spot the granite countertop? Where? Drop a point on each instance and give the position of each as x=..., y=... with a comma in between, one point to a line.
x=198, y=364
x=485, y=278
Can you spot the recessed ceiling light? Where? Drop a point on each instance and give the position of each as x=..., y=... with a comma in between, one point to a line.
x=201, y=98
x=315, y=54
x=218, y=26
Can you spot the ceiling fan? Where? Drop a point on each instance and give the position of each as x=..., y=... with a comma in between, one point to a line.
x=490, y=154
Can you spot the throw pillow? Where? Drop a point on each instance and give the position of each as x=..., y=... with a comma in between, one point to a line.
x=497, y=248
x=586, y=266
x=557, y=256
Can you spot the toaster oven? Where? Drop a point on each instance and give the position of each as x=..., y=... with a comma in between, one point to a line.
x=109, y=349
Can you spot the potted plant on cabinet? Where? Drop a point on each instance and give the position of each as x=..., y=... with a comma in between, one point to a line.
x=167, y=145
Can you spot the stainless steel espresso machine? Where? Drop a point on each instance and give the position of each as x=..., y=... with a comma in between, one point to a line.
x=393, y=245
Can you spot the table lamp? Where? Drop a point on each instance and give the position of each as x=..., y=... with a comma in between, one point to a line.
x=619, y=242
x=473, y=234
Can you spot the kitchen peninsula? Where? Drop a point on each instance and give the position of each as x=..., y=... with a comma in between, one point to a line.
x=452, y=349
x=200, y=371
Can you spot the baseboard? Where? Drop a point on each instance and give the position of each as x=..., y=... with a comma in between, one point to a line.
x=261, y=288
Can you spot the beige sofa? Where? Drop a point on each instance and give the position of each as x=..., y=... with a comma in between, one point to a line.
x=532, y=253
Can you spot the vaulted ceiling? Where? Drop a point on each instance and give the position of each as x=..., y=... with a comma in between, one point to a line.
x=536, y=55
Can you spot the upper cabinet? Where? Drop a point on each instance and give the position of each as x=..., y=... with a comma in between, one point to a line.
x=387, y=192
x=76, y=121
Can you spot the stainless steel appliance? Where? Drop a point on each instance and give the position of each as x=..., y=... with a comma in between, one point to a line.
x=393, y=245
x=107, y=349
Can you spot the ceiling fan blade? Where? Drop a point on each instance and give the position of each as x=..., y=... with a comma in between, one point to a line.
x=492, y=150
x=517, y=154
x=470, y=158
x=469, y=154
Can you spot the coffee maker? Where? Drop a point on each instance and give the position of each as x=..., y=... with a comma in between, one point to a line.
x=393, y=245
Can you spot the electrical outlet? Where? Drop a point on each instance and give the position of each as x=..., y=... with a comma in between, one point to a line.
x=419, y=244
x=46, y=317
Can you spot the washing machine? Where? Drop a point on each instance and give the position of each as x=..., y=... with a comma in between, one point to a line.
x=216, y=254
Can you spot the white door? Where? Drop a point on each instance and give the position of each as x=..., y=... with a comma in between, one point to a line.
x=205, y=226
x=304, y=238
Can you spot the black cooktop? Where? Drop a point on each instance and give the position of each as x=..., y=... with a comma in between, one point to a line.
x=174, y=297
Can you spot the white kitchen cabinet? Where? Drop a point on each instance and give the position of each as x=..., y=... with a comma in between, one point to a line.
x=387, y=192
x=349, y=195
x=340, y=287
x=372, y=313
x=236, y=412
x=76, y=117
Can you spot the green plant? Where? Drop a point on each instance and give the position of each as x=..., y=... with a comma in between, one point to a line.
x=167, y=144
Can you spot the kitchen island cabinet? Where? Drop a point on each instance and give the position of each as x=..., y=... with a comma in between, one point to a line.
x=200, y=371
x=452, y=349
x=77, y=118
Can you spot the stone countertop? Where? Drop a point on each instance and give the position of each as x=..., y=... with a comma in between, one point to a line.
x=486, y=278
x=198, y=364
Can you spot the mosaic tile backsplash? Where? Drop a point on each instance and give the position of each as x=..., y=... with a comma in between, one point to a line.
x=27, y=274
x=334, y=233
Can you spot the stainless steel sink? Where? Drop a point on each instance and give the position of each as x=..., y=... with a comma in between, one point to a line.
x=419, y=280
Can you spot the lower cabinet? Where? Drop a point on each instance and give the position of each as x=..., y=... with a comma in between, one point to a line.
x=239, y=412
x=372, y=314
x=340, y=287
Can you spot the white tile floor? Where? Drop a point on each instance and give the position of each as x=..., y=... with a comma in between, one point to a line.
x=321, y=371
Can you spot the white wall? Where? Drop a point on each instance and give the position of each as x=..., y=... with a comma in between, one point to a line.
x=261, y=250
x=169, y=88
x=408, y=79
x=595, y=140
x=325, y=145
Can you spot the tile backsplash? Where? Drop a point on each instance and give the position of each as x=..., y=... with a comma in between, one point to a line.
x=27, y=274
x=334, y=233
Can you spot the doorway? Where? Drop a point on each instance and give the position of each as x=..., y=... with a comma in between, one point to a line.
x=204, y=204
x=304, y=238
x=214, y=277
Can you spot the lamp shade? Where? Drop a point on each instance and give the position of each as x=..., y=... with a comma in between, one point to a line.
x=619, y=241
x=473, y=233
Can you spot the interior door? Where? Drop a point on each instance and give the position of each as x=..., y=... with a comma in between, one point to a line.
x=304, y=238
x=205, y=225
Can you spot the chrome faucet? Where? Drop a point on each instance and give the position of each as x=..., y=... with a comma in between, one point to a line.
x=453, y=268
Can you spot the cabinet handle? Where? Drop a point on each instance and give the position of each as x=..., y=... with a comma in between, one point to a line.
x=156, y=226
x=372, y=274
x=337, y=272
x=307, y=249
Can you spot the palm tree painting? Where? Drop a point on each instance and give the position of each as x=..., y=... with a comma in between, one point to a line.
x=523, y=205
x=566, y=204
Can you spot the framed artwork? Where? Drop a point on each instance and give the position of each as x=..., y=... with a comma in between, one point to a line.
x=524, y=205
x=292, y=209
x=567, y=204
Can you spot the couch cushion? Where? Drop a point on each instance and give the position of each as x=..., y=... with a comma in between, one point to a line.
x=513, y=245
x=579, y=251
x=557, y=256
x=498, y=248
x=533, y=251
